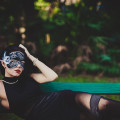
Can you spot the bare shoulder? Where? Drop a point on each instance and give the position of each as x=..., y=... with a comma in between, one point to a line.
x=0, y=83
x=2, y=90
x=0, y=87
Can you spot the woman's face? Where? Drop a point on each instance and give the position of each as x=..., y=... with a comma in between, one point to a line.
x=13, y=72
x=13, y=63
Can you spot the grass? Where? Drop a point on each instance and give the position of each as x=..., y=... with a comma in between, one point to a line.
x=87, y=78
x=70, y=78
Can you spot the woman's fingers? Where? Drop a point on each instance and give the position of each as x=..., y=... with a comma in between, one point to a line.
x=20, y=45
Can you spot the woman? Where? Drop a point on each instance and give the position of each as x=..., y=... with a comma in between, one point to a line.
x=20, y=92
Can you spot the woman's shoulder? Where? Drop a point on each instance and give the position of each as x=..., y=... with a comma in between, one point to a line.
x=1, y=83
x=1, y=87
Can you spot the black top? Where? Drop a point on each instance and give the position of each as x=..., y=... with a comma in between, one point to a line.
x=22, y=95
x=27, y=101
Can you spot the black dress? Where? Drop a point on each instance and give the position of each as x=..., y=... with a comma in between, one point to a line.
x=27, y=101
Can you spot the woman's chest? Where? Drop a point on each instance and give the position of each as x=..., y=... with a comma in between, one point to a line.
x=22, y=92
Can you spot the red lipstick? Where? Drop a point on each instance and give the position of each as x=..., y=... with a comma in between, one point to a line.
x=18, y=71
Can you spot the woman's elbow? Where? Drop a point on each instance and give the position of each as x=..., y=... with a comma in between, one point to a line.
x=54, y=78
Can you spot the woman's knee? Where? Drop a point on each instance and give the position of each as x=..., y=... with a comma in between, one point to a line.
x=83, y=99
x=103, y=103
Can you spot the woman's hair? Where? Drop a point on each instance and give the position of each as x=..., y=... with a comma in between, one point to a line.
x=13, y=48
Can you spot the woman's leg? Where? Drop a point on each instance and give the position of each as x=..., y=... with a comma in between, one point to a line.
x=83, y=102
x=109, y=109
x=98, y=107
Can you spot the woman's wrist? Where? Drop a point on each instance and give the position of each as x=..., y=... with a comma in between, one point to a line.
x=33, y=59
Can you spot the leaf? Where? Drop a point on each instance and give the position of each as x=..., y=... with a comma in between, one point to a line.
x=105, y=58
x=97, y=26
x=99, y=39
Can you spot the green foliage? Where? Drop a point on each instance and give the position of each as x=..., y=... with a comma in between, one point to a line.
x=11, y=19
x=99, y=39
x=98, y=68
x=115, y=53
x=71, y=24
x=97, y=26
x=46, y=48
x=104, y=57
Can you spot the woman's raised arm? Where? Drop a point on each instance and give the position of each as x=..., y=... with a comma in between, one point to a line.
x=47, y=74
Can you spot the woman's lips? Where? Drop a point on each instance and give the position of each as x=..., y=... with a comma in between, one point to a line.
x=18, y=71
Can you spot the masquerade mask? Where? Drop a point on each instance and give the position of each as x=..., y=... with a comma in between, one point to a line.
x=14, y=59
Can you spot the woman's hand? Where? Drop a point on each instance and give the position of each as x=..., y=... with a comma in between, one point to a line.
x=26, y=51
x=32, y=58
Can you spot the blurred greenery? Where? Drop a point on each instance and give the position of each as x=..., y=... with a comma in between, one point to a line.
x=72, y=23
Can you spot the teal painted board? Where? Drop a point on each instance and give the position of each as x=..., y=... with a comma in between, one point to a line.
x=105, y=88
